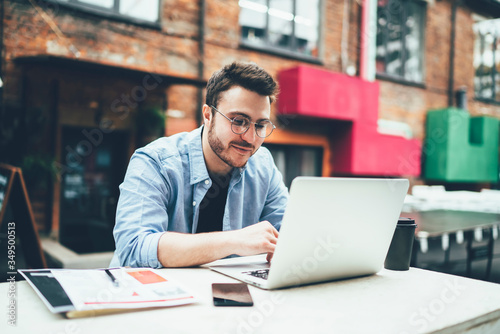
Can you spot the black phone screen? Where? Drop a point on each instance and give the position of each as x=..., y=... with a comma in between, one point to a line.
x=231, y=294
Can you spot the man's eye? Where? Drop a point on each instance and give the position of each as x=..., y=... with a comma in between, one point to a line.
x=239, y=121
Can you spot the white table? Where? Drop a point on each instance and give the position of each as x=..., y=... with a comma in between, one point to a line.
x=414, y=301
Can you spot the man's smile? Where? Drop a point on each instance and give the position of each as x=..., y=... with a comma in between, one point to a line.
x=242, y=149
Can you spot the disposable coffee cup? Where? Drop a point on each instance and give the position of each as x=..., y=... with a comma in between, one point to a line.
x=399, y=254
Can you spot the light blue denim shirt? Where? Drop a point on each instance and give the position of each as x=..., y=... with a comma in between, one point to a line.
x=165, y=184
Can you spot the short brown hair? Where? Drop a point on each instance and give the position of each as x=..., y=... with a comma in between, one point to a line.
x=247, y=75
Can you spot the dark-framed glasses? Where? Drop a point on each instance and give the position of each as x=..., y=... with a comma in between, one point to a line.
x=241, y=124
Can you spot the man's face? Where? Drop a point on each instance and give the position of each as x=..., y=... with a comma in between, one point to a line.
x=232, y=149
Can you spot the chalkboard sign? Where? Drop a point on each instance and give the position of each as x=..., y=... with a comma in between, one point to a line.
x=5, y=186
x=21, y=225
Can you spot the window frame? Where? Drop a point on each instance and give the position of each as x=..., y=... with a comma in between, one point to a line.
x=291, y=151
x=290, y=52
x=495, y=87
x=112, y=13
x=423, y=23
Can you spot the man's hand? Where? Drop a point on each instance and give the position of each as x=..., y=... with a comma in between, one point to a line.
x=256, y=239
x=185, y=249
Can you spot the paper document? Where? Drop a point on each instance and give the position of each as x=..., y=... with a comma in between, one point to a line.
x=92, y=290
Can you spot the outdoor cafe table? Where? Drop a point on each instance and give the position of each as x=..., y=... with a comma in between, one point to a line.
x=413, y=301
x=472, y=227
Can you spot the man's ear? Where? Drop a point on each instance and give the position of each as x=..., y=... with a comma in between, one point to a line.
x=207, y=115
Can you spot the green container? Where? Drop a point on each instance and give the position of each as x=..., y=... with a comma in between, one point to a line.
x=460, y=148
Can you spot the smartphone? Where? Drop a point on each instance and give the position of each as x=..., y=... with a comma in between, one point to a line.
x=231, y=294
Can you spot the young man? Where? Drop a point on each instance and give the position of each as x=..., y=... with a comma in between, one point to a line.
x=196, y=197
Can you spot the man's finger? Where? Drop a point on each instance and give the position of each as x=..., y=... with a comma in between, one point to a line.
x=269, y=257
x=276, y=233
x=271, y=247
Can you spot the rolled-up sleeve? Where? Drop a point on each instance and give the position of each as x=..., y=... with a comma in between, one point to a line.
x=141, y=216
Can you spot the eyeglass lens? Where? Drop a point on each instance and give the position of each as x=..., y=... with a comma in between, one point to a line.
x=241, y=125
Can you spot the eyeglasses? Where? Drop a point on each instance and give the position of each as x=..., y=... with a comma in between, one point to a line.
x=241, y=124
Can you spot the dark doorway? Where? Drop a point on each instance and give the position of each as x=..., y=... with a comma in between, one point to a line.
x=96, y=163
x=295, y=160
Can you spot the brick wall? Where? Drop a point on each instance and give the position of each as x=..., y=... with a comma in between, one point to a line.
x=410, y=104
x=173, y=49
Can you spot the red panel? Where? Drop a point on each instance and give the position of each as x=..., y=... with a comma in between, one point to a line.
x=358, y=148
x=312, y=92
x=288, y=98
x=381, y=154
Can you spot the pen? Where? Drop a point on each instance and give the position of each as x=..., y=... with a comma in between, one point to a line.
x=112, y=277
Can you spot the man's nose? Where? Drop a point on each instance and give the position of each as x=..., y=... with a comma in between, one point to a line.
x=249, y=135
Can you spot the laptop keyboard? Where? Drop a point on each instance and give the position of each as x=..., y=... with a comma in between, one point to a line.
x=261, y=273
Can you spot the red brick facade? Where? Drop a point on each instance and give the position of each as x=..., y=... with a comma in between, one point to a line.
x=35, y=27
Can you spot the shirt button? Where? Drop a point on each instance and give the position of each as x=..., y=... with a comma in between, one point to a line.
x=194, y=203
x=207, y=182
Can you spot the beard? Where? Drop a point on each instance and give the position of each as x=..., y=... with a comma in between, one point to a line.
x=223, y=152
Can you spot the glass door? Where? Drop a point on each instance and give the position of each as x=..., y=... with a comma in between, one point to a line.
x=95, y=166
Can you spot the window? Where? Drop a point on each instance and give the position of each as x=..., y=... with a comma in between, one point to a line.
x=400, y=39
x=293, y=161
x=145, y=11
x=281, y=25
x=487, y=60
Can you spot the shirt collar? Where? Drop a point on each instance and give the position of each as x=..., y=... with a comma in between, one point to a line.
x=197, y=166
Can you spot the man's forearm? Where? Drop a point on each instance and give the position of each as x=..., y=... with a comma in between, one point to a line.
x=184, y=250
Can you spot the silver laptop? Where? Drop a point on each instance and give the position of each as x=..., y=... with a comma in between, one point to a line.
x=333, y=228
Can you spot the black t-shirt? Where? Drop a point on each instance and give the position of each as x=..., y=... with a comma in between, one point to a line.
x=213, y=204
